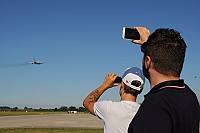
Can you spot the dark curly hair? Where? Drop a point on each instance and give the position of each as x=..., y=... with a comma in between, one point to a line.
x=167, y=50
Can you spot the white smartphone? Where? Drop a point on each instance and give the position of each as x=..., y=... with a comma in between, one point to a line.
x=130, y=33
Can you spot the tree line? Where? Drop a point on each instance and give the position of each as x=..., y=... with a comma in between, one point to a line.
x=62, y=108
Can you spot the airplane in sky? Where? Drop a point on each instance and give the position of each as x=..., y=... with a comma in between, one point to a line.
x=36, y=62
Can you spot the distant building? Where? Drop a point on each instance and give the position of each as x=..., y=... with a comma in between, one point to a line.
x=72, y=112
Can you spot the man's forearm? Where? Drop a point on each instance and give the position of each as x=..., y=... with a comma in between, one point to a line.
x=93, y=97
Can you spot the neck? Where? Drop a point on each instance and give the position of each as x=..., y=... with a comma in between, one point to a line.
x=128, y=97
x=156, y=78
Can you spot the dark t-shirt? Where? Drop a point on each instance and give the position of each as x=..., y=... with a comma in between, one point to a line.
x=169, y=107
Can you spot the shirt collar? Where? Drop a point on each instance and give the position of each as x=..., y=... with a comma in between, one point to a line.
x=178, y=84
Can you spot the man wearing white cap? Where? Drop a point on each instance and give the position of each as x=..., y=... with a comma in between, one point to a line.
x=117, y=115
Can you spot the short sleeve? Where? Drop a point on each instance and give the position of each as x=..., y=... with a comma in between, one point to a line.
x=100, y=109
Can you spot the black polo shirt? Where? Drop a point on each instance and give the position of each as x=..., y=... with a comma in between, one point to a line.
x=169, y=107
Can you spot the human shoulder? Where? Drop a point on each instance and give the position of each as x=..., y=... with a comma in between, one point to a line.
x=117, y=104
x=102, y=104
x=130, y=103
x=145, y=115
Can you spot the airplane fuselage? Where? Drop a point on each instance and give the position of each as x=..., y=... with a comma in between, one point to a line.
x=36, y=62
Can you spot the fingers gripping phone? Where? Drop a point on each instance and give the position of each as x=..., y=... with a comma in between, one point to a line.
x=130, y=33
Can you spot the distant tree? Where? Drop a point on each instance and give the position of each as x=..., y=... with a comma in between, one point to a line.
x=56, y=109
x=15, y=108
x=72, y=108
x=82, y=109
x=5, y=108
x=25, y=108
x=63, y=108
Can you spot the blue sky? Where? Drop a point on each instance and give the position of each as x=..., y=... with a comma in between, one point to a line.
x=81, y=42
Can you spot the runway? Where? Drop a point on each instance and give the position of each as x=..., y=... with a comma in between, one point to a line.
x=51, y=121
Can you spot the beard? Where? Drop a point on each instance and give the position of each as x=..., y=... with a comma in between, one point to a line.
x=145, y=71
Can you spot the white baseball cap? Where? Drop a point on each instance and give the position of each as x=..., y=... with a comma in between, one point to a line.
x=132, y=76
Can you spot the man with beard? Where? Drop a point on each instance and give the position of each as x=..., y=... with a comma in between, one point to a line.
x=170, y=106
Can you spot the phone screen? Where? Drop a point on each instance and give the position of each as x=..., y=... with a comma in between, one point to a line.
x=129, y=33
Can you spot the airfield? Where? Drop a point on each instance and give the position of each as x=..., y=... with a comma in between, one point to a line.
x=51, y=121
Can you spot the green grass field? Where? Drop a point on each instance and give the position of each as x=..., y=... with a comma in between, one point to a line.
x=50, y=130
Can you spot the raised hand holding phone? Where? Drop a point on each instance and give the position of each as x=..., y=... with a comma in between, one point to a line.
x=144, y=35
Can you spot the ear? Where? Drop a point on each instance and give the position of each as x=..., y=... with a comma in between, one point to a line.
x=147, y=62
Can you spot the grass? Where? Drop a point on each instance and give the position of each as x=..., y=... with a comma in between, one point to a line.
x=50, y=130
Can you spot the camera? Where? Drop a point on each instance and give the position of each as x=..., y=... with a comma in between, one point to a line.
x=118, y=80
